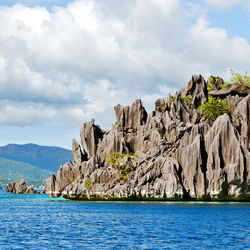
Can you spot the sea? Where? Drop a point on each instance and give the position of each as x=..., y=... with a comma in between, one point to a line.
x=37, y=221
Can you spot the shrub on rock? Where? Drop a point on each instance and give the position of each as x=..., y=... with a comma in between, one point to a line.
x=213, y=108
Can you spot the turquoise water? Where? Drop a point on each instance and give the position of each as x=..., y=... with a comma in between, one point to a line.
x=40, y=222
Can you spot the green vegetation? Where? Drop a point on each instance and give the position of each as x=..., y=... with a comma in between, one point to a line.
x=13, y=170
x=186, y=99
x=88, y=183
x=122, y=163
x=213, y=108
x=237, y=78
x=225, y=84
x=43, y=157
x=171, y=101
x=159, y=165
x=211, y=82
x=74, y=178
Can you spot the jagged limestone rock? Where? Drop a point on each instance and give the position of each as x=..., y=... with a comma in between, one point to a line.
x=241, y=119
x=179, y=154
x=192, y=165
x=131, y=117
x=180, y=111
x=161, y=105
x=20, y=187
x=233, y=89
x=215, y=83
x=196, y=89
x=91, y=135
x=50, y=187
x=225, y=157
x=77, y=153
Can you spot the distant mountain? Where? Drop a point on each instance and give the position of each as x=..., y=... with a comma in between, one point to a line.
x=43, y=157
x=13, y=170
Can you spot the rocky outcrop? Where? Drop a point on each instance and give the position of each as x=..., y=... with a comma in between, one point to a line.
x=20, y=187
x=91, y=135
x=77, y=153
x=131, y=117
x=215, y=83
x=196, y=89
x=234, y=89
x=172, y=153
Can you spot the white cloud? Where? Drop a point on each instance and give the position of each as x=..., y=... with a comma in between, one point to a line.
x=212, y=48
x=101, y=96
x=27, y=113
x=77, y=62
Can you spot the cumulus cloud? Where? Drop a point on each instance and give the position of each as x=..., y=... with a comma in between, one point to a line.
x=76, y=62
x=29, y=113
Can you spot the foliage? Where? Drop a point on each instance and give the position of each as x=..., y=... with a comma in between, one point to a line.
x=225, y=84
x=213, y=108
x=171, y=101
x=88, y=183
x=122, y=163
x=74, y=178
x=212, y=80
x=186, y=99
x=211, y=83
x=238, y=78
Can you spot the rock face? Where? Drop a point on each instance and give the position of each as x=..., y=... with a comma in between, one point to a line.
x=20, y=187
x=234, y=89
x=197, y=89
x=172, y=153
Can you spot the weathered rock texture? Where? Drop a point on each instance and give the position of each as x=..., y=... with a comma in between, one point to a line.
x=179, y=154
x=20, y=187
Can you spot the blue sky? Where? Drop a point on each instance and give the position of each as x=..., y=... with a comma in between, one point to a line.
x=234, y=20
x=64, y=62
x=32, y=3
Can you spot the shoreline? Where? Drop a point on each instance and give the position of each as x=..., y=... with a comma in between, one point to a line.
x=137, y=199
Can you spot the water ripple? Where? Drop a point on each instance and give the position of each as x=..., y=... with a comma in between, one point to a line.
x=39, y=222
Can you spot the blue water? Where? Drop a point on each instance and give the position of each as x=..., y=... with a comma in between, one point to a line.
x=40, y=222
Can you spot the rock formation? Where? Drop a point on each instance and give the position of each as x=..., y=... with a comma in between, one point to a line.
x=172, y=153
x=20, y=187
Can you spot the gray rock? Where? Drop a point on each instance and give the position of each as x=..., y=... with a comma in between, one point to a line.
x=233, y=89
x=161, y=105
x=179, y=154
x=241, y=119
x=91, y=135
x=181, y=112
x=131, y=117
x=225, y=157
x=216, y=83
x=196, y=89
x=77, y=154
x=50, y=187
x=20, y=187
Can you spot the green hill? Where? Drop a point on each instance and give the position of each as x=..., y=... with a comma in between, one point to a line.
x=43, y=157
x=11, y=170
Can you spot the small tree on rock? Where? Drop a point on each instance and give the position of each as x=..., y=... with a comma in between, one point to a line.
x=213, y=108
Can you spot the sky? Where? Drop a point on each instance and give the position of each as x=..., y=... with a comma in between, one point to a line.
x=63, y=63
